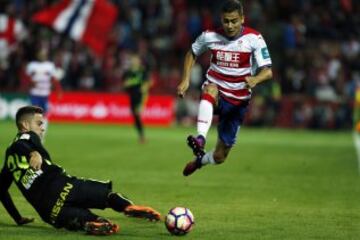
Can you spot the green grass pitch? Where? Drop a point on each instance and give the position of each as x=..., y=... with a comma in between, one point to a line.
x=276, y=184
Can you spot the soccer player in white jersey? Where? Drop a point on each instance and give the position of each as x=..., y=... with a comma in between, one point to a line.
x=44, y=77
x=240, y=60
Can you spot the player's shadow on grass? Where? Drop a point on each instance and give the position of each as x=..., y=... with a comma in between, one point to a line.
x=31, y=229
x=133, y=228
x=37, y=231
x=27, y=226
x=136, y=235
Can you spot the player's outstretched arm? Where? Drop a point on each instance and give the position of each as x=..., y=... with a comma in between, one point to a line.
x=25, y=220
x=6, y=200
x=185, y=81
x=10, y=207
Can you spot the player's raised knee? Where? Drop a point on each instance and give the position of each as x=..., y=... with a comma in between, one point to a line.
x=211, y=89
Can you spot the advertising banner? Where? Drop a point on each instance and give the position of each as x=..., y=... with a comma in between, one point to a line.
x=93, y=108
x=108, y=108
x=10, y=103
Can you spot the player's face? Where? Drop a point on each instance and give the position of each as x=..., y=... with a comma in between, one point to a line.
x=135, y=62
x=42, y=55
x=36, y=124
x=232, y=22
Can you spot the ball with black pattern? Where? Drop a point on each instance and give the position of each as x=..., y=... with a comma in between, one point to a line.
x=179, y=221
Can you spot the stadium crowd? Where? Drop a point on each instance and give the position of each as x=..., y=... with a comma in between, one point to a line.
x=315, y=48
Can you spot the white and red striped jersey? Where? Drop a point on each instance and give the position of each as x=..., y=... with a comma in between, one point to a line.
x=232, y=60
x=41, y=74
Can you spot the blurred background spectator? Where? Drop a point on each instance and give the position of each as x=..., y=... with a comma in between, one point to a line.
x=315, y=47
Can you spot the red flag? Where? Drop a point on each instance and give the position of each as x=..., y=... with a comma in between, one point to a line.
x=87, y=21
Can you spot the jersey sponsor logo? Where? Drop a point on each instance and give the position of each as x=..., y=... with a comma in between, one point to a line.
x=227, y=64
x=228, y=56
x=265, y=53
x=60, y=202
x=231, y=59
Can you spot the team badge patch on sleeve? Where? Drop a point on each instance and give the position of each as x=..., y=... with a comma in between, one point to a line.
x=265, y=53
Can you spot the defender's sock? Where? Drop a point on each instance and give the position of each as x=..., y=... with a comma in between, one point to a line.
x=118, y=202
x=205, y=115
x=138, y=124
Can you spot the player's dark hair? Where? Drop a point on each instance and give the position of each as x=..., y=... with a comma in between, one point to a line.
x=231, y=6
x=23, y=112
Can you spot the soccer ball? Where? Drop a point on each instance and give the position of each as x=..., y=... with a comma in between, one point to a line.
x=179, y=221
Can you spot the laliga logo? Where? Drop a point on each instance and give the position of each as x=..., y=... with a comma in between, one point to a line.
x=99, y=111
x=8, y=108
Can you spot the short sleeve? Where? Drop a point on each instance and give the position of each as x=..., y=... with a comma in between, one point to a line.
x=27, y=143
x=199, y=46
x=261, y=52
